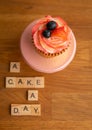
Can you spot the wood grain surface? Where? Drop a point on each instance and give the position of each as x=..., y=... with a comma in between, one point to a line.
x=66, y=100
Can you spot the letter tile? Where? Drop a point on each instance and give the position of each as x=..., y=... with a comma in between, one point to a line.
x=20, y=82
x=26, y=109
x=15, y=67
x=36, y=110
x=10, y=82
x=15, y=109
x=33, y=95
x=39, y=82
x=30, y=82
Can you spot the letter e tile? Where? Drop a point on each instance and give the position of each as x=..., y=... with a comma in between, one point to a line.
x=39, y=82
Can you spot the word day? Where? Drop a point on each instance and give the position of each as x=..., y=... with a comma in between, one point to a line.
x=26, y=109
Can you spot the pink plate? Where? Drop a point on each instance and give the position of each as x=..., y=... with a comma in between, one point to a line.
x=41, y=63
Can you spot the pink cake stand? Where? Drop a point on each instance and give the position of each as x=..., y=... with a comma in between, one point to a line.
x=41, y=63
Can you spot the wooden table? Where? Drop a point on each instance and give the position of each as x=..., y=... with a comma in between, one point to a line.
x=66, y=99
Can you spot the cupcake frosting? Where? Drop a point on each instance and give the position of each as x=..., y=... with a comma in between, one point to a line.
x=58, y=40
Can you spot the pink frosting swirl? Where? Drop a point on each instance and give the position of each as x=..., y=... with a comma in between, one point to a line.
x=59, y=39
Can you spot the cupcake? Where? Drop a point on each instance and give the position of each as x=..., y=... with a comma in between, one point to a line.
x=51, y=36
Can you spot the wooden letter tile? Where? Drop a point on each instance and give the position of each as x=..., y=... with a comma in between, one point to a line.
x=30, y=82
x=26, y=109
x=20, y=82
x=36, y=110
x=15, y=109
x=32, y=95
x=10, y=82
x=39, y=82
x=15, y=67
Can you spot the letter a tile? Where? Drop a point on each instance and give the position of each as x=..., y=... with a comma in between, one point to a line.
x=15, y=67
x=33, y=95
x=25, y=109
x=20, y=82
